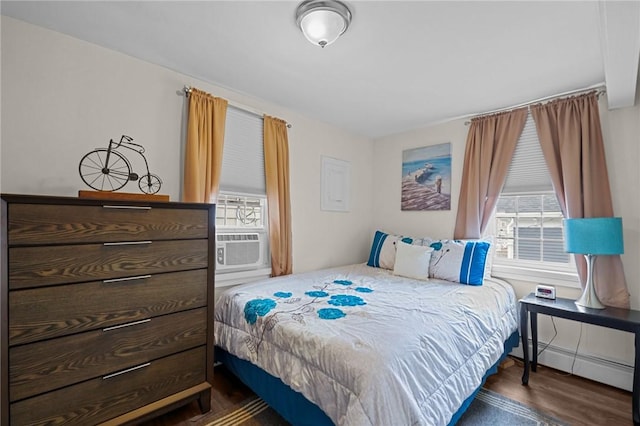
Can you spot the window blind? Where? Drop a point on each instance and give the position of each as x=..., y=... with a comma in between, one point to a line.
x=243, y=154
x=528, y=171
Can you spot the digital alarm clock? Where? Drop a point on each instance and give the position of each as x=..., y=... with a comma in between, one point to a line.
x=545, y=291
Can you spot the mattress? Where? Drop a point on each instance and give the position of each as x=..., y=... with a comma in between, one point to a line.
x=369, y=347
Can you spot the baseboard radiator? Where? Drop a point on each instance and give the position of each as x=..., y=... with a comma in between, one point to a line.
x=594, y=368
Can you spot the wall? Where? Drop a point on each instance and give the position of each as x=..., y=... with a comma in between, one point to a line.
x=388, y=172
x=62, y=97
x=604, y=355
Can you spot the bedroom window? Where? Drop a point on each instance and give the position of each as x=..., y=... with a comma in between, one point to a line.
x=242, y=240
x=529, y=227
x=528, y=233
x=237, y=211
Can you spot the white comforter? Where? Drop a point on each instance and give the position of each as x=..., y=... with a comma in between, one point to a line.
x=371, y=348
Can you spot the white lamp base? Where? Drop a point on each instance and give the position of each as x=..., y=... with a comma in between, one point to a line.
x=589, y=298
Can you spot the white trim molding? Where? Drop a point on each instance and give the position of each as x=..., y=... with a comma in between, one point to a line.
x=620, y=44
x=533, y=275
x=229, y=279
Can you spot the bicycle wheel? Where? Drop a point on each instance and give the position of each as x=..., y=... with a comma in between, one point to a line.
x=95, y=173
x=149, y=184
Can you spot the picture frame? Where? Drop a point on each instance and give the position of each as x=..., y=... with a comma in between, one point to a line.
x=426, y=178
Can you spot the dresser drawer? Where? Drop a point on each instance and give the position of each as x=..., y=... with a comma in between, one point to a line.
x=52, y=364
x=101, y=399
x=40, y=266
x=34, y=224
x=47, y=312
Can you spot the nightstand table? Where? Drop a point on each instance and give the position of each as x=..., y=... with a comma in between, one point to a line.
x=616, y=318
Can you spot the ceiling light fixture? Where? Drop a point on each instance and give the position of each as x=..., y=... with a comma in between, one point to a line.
x=322, y=22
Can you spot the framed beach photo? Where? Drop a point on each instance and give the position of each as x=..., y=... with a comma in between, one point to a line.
x=426, y=178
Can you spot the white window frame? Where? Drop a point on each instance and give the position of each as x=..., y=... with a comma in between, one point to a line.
x=565, y=275
x=264, y=223
x=541, y=272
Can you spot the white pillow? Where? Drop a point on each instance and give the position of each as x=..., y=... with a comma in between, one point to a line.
x=412, y=261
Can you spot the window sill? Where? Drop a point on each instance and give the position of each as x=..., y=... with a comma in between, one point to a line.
x=228, y=279
x=538, y=276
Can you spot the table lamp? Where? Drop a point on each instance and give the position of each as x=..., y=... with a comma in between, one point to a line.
x=597, y=236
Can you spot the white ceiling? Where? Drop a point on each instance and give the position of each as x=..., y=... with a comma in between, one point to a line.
x=401, y=64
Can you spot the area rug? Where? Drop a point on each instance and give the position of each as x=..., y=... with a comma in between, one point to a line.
x=488, y=408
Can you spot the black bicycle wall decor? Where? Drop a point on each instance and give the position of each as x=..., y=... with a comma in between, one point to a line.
x=107, y=169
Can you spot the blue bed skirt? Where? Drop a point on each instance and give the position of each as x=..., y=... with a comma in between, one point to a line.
x=298, y=410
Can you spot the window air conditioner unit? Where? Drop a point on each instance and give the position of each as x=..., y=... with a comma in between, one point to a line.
x=241, y=251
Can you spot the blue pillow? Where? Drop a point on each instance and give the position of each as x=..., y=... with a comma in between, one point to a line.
x=459, y=261
x=383, y=249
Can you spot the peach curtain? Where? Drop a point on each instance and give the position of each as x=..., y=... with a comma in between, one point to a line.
x=571, y=139
x=276, y=168
x=491, y=143
x=203, y=153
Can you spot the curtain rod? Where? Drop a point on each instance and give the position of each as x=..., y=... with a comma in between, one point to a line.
x=187, y=91
x=600, y=88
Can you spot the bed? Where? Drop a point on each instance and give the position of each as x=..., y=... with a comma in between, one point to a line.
x=359, y=345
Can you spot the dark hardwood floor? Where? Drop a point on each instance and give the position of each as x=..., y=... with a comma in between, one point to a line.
x=227, y=391
x=572, y=399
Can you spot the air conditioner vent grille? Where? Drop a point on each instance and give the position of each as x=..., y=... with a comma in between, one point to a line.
x=241, y=250
x=238, y=237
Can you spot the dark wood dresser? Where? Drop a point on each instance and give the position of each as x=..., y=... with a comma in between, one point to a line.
x=107, y=309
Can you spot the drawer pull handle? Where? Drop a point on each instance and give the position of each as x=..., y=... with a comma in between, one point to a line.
x=128, y=207
x=128, y=370
x=129, y=324
x=117, y=280
x=127, y=243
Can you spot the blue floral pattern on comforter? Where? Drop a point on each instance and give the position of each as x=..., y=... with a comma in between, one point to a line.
x=366, y=346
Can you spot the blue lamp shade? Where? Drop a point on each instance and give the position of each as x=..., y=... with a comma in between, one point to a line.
x=597, y=236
